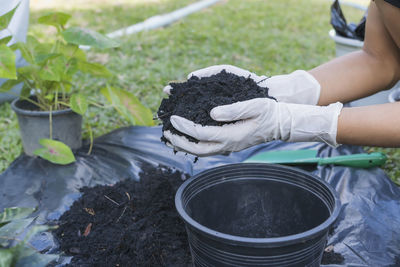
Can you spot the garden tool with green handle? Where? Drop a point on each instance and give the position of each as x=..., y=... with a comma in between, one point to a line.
x=308, y=156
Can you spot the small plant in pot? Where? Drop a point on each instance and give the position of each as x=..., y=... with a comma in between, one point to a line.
x=51, y=105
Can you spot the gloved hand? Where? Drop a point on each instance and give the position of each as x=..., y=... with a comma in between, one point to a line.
x=257, y=120
x=297, y=87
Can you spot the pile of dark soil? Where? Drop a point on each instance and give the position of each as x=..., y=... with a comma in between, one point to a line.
x=195, y=98
x=128, y=224
x=131, y=224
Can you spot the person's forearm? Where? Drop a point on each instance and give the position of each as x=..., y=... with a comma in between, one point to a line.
x=351, y=77
x=377, y=125
x=376, y=67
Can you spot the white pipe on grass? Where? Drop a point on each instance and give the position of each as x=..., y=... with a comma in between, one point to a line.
x=160, y=20
x=163, y=20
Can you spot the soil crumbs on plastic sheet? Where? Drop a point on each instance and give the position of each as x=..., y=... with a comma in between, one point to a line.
x=195, y=98
x=128, y=224
x=331, y=257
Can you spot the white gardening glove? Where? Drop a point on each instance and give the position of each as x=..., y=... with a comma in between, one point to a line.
x=297, y=87
x=258, y=120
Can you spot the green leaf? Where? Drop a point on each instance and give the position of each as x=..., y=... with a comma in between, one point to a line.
x=79, y=36
x=12, y=230
x=70, y=68
x=15, y=213
x=30, y=48
x=94, y=69
x=8, y=85
x=6, y=18
x=26, y=51
x=7, y=63
x=49, y=97
x=56, y=19
x=30, y=72
x=24, y=255
x=5, y=40
x=43, y=58
x=25, y=92
x=6, y=257
x=36, y=229
x=72, y=51
x=55, y=152
x=67, y=86
x=13, y=227
x=79, y=103
x=53, y=69
x=128, y=106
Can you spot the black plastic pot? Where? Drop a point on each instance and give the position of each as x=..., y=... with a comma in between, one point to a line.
x=251, y=214
x=35, y=125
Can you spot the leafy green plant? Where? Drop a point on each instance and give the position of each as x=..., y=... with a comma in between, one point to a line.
x=48, y=79
x=128, y=106
x=15, y=249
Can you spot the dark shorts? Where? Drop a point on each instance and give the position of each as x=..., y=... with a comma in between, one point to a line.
x=396, y=3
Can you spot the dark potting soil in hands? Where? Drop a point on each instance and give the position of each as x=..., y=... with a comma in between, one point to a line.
x=127, y=224
x=195, y=98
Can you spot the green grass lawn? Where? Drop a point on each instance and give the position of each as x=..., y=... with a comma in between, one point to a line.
x=266, y=37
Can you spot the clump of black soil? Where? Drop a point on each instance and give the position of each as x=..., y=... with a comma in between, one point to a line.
x=128, y=224
x=195, y=98
x=331, y=257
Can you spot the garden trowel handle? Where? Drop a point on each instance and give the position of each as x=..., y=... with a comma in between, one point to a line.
x=363, y=160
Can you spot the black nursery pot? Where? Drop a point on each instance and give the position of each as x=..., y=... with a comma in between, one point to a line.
x=251, y=214
x=35, y=125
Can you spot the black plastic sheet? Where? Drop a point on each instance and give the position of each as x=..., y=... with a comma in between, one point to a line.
x=339, y=23
x=367, y=232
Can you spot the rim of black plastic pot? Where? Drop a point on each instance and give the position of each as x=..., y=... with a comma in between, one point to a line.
x=36, y=113
x=271, y=241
